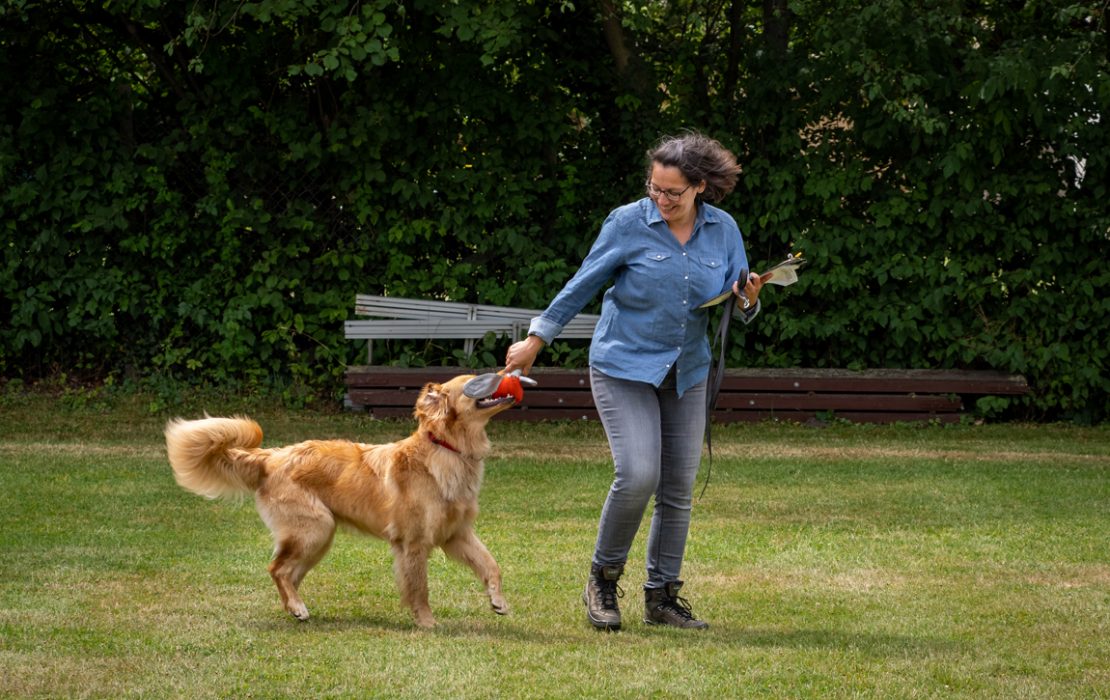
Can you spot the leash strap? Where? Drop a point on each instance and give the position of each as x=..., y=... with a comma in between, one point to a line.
x=716, y=377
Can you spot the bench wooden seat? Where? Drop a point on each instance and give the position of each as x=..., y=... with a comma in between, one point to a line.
x=868, y=396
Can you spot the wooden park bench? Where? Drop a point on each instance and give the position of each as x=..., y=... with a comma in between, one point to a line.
x=867, y=396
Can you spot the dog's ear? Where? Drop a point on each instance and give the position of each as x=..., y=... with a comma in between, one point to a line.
x=434, y=405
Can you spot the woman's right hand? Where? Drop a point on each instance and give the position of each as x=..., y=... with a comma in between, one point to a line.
x=522, y=354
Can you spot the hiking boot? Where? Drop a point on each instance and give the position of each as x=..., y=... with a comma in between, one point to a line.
x=601, y=596
x=663, y=606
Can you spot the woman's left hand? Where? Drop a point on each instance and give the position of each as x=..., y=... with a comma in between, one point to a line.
x=750, y=290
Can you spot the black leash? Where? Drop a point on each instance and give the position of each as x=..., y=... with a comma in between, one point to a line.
x=783, y=274
x=716, y=377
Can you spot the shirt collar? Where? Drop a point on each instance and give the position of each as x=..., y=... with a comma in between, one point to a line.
x=706, y=214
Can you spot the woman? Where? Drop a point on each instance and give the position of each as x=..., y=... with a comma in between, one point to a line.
x=649, y=360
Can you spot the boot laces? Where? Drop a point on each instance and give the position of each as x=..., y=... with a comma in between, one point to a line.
x=609, y=592
x=679, y=605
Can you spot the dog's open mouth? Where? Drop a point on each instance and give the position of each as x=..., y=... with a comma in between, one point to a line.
x=508, y=390
x=495, y=400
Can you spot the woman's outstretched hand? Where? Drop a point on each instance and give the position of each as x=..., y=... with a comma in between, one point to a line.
x=521, y=355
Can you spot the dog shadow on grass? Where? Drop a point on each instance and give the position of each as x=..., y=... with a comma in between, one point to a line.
x=720, y=634
x=388, y=627
x=503, y=628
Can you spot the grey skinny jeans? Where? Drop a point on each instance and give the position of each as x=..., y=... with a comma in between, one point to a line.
x=656, y=441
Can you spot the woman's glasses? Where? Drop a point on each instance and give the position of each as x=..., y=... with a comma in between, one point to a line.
x=670, y=195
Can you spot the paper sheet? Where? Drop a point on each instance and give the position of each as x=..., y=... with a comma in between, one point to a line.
x=783, y=274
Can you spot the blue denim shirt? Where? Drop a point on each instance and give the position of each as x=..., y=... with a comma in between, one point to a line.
x=650, y=320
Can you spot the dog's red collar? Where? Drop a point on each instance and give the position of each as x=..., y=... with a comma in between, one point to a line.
x=442, y=443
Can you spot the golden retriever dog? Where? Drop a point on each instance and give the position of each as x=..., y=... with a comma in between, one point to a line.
x=417, y=493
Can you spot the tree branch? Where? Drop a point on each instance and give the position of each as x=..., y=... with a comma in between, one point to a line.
x=615, y=37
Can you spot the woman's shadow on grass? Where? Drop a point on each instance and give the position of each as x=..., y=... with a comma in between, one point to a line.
x=869, y=643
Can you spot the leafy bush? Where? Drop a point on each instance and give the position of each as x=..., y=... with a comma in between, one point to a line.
x=199, y=191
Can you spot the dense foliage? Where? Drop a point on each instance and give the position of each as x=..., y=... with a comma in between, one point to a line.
x=198, y=190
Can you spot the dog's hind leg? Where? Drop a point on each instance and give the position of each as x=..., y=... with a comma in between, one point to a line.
x=297, y=551
x=410, y=566
x=468, y=549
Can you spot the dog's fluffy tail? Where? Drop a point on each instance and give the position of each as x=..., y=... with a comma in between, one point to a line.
x=214, y=456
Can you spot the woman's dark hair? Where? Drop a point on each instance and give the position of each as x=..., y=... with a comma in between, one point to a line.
x=699, y=158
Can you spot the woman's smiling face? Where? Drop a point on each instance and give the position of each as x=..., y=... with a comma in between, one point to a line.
x=673, y=194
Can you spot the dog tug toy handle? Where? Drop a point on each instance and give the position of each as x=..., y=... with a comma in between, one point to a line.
x=484, y=385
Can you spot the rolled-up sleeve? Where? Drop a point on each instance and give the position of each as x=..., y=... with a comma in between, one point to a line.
x=749, y=315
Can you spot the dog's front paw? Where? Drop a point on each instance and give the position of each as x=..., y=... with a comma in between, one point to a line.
x=499, y=604
x=425, y=621
x=298, y=611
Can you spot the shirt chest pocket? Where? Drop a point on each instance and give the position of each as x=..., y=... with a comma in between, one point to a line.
x=654, y=264
x=710, y=274
x=647, y=275
x=711, y=263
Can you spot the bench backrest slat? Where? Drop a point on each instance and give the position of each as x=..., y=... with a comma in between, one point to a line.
x=398, y=317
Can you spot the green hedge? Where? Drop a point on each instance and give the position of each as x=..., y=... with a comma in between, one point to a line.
x=198, y=190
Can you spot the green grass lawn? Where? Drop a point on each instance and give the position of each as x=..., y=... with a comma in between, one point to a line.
x=847, y=561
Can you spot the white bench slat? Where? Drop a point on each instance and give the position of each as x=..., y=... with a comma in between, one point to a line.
x=367, y=329
x=422, y=319
x=422, y=328
x=367, y=305
x=388, y=305
x=398, y=307
x=397, y=312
